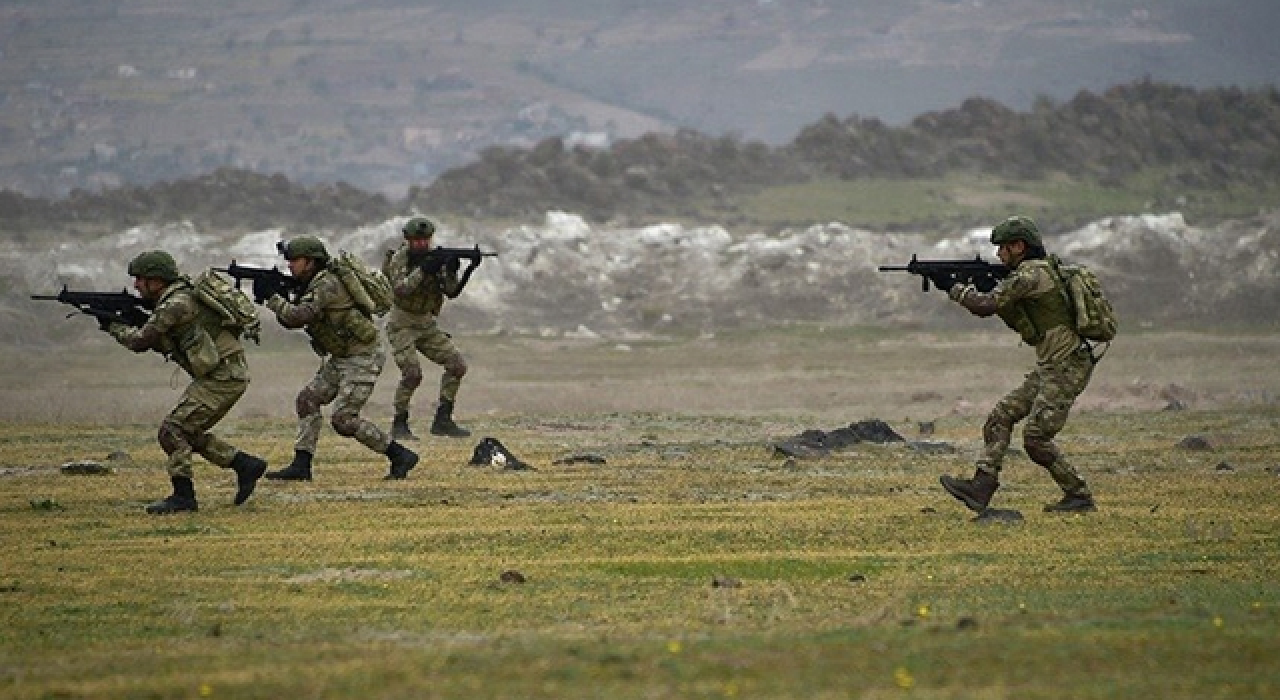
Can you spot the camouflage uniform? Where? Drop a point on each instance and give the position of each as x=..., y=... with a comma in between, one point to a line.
x=347, y=339
x=191, y=334
x=412, y=327
x=1064, y=365
x=1032, y=301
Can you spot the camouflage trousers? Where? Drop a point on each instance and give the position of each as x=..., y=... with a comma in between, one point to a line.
x=409, y=339
x=205, y=402
x=347, y=383
x=1044, y=399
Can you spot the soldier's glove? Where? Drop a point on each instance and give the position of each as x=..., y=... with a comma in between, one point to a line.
x=958, y=292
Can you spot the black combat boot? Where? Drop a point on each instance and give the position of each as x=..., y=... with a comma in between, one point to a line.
x=183, y=498
x=298, y=470
x=444, y=425
x=975, y=493
x=402, y=460
x=248, y=470
x=1072, y=503
x=400, y=427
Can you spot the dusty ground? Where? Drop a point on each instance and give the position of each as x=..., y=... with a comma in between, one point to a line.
x=696, y=563
x=801, y=374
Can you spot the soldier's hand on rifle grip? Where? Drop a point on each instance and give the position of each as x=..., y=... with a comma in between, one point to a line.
x=958, y=292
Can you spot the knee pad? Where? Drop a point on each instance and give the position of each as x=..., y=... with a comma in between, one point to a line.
x=345, y=424
x=1041, y=452
x=307, y=403
x=411, y=378
x=456, y=366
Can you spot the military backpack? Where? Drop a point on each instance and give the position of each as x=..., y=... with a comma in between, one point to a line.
x=368, y=287
x=237, y=311
x=1094, y=317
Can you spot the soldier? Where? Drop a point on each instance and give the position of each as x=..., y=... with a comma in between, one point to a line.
x=191, y=334
x=1033, y=302
x=347, y=339
x=412, y=328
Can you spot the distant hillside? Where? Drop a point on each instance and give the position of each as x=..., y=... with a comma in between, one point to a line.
x=1211, y=140
x=392, y=93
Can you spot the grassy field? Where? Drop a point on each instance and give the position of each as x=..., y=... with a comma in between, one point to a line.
x=941, y=203
x=695, y=562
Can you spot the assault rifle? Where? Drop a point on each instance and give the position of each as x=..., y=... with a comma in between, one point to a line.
x=436, y=258
x=266, y=282
x=433, y=260
x=107, y=307
x=947, y=273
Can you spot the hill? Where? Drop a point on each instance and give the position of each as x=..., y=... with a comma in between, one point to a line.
x=1212, y=154
x=390, y=93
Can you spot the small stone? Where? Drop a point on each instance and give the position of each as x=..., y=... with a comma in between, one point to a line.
x=581, y=459
x=1195, y=443
x=725, y=582
x=966, y=623
x=1224, y=467
x=512, y=576
x=857, y=578
x=85, y=466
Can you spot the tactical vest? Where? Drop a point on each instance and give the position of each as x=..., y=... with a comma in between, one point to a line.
x=428, y=298
x=1033, y=316
x=343, y=329
x=198, y=347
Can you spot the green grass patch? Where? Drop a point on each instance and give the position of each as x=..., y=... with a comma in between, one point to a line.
x=940, y=204
x=695, y=562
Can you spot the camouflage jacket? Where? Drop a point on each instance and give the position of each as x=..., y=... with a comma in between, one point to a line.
x=186, y=331
x=327, y=313
x=1031, y=302
x=417, y=293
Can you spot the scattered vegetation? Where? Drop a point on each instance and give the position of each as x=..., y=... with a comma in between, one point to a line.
x=693, y=562
x=1211, y=154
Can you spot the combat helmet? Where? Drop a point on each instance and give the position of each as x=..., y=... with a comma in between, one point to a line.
x=156, y=264
x=1017, y=228
x=303, y=247
x=418, y=227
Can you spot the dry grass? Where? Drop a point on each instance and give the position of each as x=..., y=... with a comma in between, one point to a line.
x=858, y=578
